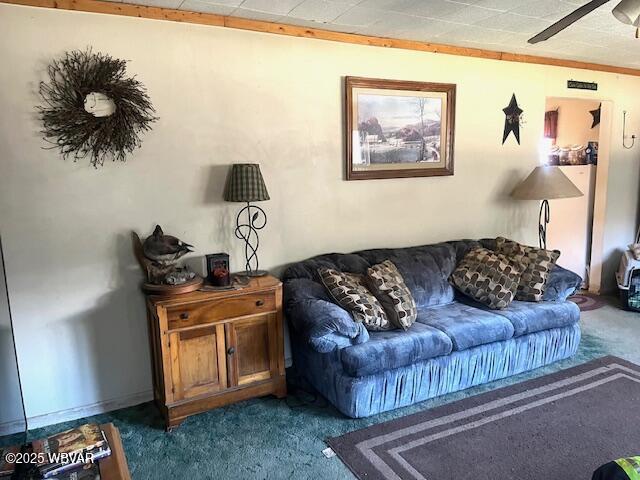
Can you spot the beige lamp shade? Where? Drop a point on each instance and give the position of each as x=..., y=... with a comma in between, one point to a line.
x=546, y=183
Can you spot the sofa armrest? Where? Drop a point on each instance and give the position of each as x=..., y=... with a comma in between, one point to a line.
x=562, y=283
x=323, y=325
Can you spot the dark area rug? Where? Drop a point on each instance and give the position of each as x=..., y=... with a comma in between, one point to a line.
x=587, y=302
x=556, y=427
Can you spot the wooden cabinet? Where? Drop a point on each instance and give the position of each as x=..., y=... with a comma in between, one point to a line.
x=213, y=348
x=198, y=363
x=252, y=348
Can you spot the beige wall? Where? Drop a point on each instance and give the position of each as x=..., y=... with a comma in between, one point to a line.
x=574, y=121
x=11, y=414
x=227, y=96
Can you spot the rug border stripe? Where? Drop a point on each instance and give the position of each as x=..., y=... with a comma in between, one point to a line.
x=345, y=446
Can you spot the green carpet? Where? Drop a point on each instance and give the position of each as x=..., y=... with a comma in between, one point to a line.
x=274, y=439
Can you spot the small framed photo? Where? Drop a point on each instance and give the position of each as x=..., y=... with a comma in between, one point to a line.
x=218, y=272
x=399, y=129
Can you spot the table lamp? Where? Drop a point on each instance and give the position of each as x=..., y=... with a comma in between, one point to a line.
x=245, y=184
x=545, y=183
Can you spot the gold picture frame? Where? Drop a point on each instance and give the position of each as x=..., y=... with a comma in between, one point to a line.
x=399, y=129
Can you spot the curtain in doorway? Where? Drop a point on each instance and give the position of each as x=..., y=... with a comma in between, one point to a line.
x=551, y=124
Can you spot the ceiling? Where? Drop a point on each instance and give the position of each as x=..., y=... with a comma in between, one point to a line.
x=503, y=25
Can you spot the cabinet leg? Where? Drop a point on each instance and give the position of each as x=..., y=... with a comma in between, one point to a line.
x=170, y=425
x=281, y=390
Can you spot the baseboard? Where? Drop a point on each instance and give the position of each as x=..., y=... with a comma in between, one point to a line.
x=89, y=410
x=9, y=428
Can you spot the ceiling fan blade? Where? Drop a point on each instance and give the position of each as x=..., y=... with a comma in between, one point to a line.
x=567, y=21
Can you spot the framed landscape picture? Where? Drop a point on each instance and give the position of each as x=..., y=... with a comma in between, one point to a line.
x=399, y=129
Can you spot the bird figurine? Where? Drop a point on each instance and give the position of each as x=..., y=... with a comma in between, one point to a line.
x=164, y=249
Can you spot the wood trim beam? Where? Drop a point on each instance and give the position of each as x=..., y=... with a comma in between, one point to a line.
x=156, y=13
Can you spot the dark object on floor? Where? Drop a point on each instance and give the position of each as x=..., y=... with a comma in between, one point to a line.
x=621, y=469
x=112, y=467
x=215, y=348
x=549, y=427
x=587, y=302
x=301, y=394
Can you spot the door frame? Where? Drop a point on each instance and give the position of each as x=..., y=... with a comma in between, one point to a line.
x=596, y=262
x=600, y=197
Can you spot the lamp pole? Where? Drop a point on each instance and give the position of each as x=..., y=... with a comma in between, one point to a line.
x=543, y=221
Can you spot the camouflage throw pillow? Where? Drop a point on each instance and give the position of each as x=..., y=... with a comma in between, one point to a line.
x=386, y=283
x=348, y=291
x=488, y=277
x=538, y=264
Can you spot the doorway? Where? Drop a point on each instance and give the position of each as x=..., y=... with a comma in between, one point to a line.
x=576, y=139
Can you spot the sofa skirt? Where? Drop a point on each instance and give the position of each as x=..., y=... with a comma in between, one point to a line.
x=358, y=397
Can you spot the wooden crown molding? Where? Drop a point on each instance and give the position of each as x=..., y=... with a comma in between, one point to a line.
x=156, y=13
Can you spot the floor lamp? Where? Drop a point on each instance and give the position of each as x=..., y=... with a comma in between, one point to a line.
x=545, y=183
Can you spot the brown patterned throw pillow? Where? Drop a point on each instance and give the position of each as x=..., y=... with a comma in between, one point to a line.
x=349, y=291
x=538, y=264
x=488, y=277
x=386, y=283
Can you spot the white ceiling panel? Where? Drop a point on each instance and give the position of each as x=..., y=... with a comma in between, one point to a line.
x=322, y=11
x=511, y=22
x=207, y=7
x=470, y=14
x=257, y=15
x=503, y=25
x=160, y=3
x=543, y=9
x=501, y=5
x=360, y=17
x=276, y=7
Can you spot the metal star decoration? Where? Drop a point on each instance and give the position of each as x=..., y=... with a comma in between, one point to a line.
x=596, y=116
x=512, y=115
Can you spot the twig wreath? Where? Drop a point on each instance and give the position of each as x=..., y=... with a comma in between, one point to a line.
x=91, y=108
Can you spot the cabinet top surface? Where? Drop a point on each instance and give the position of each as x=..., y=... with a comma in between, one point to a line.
x=256, y=284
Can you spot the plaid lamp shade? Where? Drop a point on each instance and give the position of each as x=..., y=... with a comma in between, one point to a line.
x=245, y=184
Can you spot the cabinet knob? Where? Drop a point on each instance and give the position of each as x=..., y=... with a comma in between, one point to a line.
x=259, y=303
x=231, y=350
x=184, y=316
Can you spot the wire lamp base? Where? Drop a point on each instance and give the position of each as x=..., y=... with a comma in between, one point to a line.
x=253, y=273
x=543, y=221
x=247, y=230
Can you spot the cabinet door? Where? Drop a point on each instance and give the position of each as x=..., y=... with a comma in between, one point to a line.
x=252, y=349
x=198, y=363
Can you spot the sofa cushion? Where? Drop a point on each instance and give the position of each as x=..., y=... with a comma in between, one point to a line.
x=425, y=270
x=538, y=264
x=349, y=291
x=386, y=283
x=394, y=349
x=488, y=277
x=528, y=317
x=467, y=326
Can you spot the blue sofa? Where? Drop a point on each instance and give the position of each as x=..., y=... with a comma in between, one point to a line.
x=454, y=344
